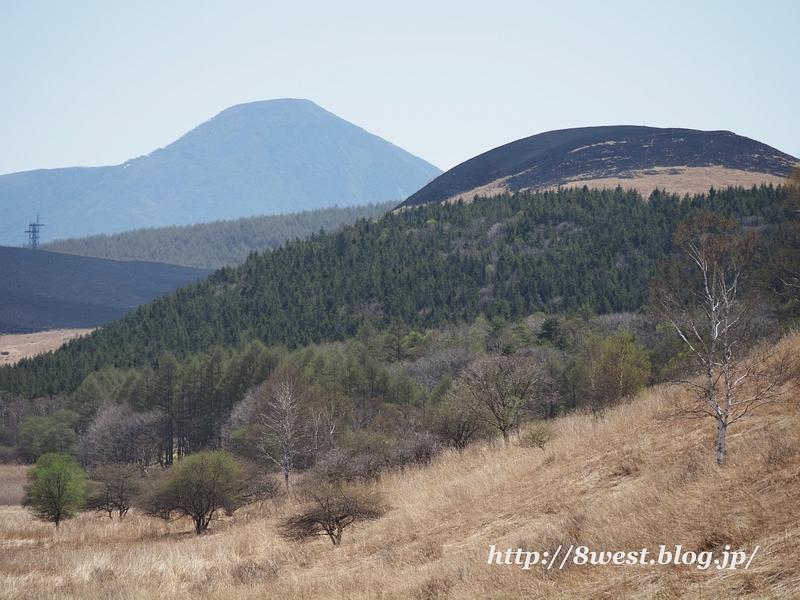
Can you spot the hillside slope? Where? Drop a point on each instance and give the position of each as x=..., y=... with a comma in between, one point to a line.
x=631, y=479
x=508, y=256
x=45, y=290
x=644, y=158
x=259, y=158
x=217, y=244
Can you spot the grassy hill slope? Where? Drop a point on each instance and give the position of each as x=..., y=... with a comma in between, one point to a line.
x=629, y=479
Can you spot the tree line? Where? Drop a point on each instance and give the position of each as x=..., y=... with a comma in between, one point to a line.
x=218, y=244
x=147, y=416
x=326, y=420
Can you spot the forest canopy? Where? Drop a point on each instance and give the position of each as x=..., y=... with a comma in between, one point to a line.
x=217, y=244
x=506, y=257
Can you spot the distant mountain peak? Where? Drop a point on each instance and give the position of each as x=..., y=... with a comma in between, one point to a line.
x=631, y=156
x=258, y=158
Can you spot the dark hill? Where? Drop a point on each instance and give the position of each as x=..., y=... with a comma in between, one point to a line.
x=45, y=290
x=278, y=156
x=680, y=160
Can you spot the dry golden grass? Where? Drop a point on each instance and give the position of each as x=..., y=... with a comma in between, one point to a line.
x=682, y=180
x=675, y=180
x=12, y=480
x=15, y=347
x=624, y=481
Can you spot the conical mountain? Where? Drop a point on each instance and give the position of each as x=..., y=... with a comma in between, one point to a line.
x=270, y=157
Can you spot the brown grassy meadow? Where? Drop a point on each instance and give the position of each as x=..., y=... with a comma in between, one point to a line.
x=675, y=180
x=630, y=479
x=15, y=347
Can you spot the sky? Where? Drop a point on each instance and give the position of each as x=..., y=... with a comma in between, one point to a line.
x=91, y=83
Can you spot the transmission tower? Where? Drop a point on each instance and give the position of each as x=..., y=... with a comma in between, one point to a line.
x=33, y=233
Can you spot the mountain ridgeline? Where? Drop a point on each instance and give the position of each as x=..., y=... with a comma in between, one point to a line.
x=270, y=157
x=510, y=255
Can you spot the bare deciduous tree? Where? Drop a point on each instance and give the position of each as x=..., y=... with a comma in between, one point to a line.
x=279, y=409
x=454, y=422
x=501, y=390
x=427, y=371
x=329, y=507
x=118, y=434
x=708, y=295
x=115, y=488
x=327, y=413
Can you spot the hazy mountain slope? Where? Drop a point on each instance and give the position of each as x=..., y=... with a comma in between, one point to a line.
x=259, y=158
x=217, y=244
x=45, y=290
x=643, y=158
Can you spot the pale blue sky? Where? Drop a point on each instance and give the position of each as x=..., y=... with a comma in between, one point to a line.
x=99, y=82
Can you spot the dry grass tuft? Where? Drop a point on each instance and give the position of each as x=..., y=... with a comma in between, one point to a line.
x=629, y=480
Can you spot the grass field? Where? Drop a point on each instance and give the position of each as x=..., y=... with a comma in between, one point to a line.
x=675, y=180
x=12, y=479
x=633, y=478
x=15, y=347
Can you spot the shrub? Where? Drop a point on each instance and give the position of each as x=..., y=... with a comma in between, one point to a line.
x=56, y=488
x=536, y=434
x=198, y=487
x=329, y=507
x=115, y=488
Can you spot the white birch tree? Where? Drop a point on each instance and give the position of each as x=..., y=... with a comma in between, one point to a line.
x=279, y=409
x=709, y=295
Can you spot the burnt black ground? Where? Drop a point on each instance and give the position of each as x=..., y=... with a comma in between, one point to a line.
x=554, y=158
x=42, y=290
